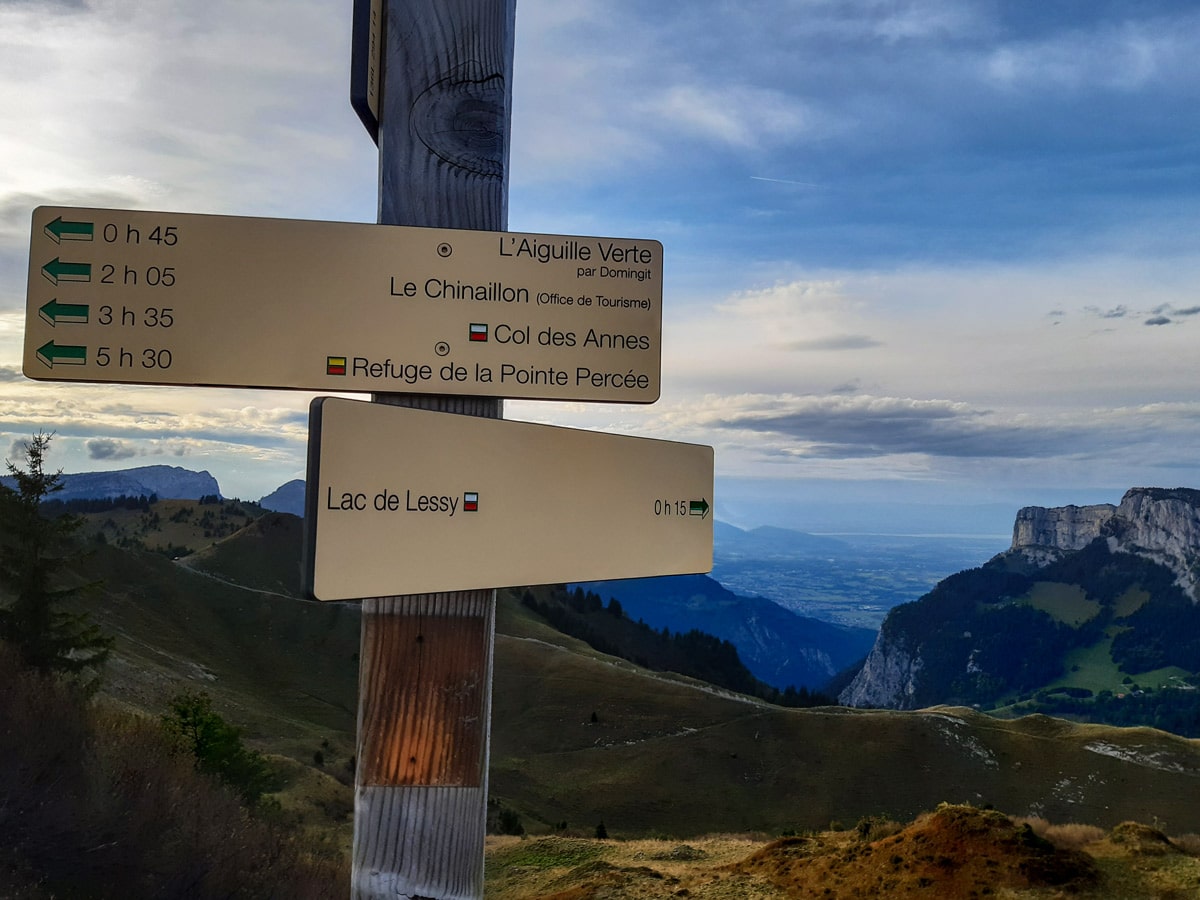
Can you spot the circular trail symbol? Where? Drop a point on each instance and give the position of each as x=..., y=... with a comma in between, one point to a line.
x=441, y=348
x=444, y=250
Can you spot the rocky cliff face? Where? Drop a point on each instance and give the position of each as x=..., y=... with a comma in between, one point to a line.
x=888, y=678
x=1159, y=524
x=1162, y=525
x=1061, y=528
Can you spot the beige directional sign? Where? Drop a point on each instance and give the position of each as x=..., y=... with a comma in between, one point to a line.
x=404, y=501
x=172, y=298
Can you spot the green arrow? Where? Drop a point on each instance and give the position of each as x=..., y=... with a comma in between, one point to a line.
x=60, y=231
x=55, y=312
x=57, y=270
x=698, y=508
x=65, y=356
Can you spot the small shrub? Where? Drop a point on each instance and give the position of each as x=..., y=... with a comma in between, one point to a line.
x=217, y=746
x=876, y=828
x=510, y=822
x=1188, y=843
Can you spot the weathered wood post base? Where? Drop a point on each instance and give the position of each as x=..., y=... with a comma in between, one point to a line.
x=421, y=786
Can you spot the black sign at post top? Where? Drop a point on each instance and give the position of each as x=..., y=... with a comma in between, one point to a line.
x=365, y=62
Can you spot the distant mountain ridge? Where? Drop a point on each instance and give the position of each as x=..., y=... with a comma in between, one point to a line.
x=769, y=540
x=777, y=645
x=287, y=498
x=1112, y=588
x=167, y=482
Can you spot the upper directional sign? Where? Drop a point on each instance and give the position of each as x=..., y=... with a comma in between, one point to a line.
x=406, y=501
x=172, y=298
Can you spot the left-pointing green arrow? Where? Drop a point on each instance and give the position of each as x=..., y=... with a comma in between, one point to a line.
x=60, y=231
x=57, y=270
x=52, y=354
x=698, y=508
x=55, y=312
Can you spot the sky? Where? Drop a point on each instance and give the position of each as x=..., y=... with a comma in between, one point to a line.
x=926, y=261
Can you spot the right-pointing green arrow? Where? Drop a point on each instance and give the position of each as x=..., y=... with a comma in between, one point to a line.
x=57, y=270
x=52, y=354
x=55, y=312
x=60, y=231
x=698, y=508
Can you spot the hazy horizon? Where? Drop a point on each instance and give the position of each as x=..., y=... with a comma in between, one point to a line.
x=926, y=259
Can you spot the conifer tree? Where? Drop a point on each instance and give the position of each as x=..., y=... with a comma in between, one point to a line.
x=34, y=550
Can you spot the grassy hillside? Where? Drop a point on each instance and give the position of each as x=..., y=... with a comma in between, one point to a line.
x=580, y=738
x=172, y=527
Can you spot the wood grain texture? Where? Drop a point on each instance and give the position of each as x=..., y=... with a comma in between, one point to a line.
x=423, y=843
x=444, y=136
x=426, y=661
x=424, y=706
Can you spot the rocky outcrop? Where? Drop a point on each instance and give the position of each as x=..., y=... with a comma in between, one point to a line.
x=888, y=678
x=1060, y=528
x=1162, y=525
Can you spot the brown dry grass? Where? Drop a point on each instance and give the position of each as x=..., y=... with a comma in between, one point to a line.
x=954, y=852
x=1071, y=836
x=96, y=803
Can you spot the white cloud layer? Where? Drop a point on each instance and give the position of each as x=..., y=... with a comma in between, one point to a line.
x=936, y=242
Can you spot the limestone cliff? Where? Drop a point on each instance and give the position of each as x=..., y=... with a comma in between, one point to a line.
x=1157, y=523
x=1162, y=525
x=1060, y=528
x=888, y=678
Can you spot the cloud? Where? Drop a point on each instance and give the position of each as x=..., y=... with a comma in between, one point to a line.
x=1117, y=312
x=18, y=450
x=740, y=116
x=864, y=426
x=106, y=448
x=194, y=109
x=1123, y=56
x=1157, y=320
x=834, y=342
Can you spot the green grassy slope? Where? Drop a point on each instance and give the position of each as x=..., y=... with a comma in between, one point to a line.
x=663, y=754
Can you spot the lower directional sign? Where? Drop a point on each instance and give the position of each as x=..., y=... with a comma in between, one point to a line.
x=405, y=501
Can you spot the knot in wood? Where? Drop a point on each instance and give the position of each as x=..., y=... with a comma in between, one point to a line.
x=461, y=119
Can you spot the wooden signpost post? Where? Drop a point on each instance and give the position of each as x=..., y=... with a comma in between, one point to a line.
x=425, y=664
